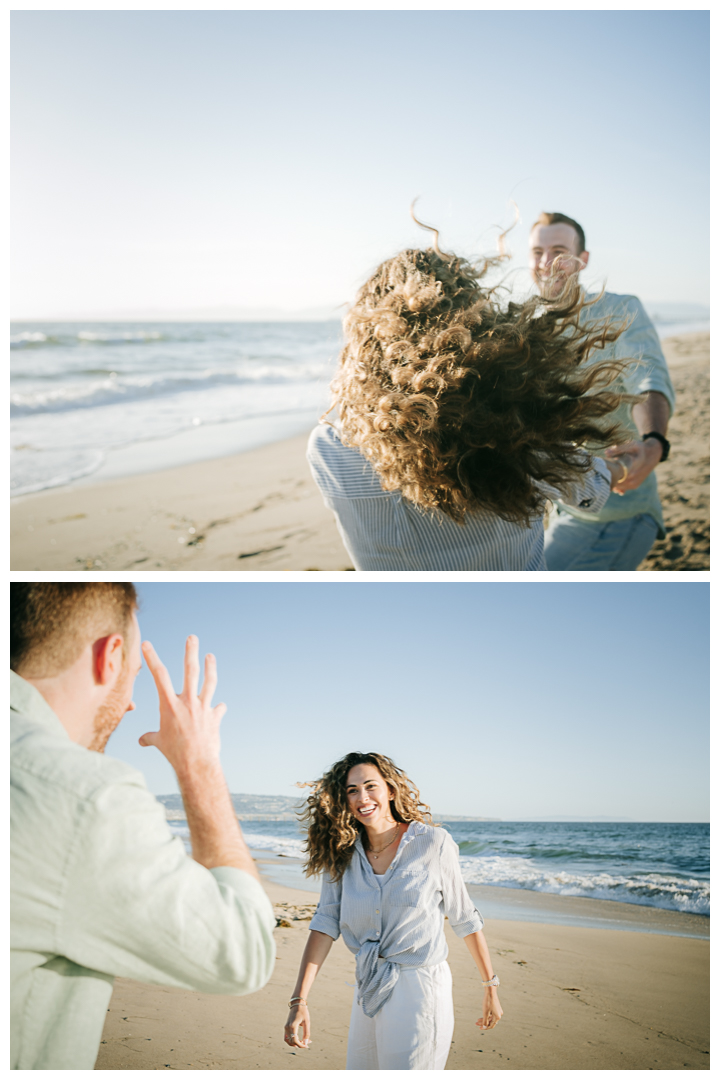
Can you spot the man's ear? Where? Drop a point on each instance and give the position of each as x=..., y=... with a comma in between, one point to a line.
x=107, y=659
x=583, y=257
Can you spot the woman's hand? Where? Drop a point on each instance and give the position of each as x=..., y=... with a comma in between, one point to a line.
x=625, y=465
x=298, y=1017
x=492, y=1010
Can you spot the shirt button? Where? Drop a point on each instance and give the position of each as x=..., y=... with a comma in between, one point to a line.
x=377, y=911
x=585, y=503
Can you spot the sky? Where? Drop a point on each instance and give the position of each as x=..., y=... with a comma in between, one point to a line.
x=183, y=160
x=508, y=700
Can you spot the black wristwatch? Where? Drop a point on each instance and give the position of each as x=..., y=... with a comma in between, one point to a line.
x=662, y=440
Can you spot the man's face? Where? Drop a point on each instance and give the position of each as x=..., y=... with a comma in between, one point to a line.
x=119, y=699
x=550, y=242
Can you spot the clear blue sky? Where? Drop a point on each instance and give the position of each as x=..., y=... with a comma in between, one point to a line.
x=504, y=700
x=268, y=158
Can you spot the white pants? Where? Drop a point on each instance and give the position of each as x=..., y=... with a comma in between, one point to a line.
x=413, y=1029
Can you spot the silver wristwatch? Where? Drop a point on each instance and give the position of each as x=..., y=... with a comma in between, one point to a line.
x=492, y=982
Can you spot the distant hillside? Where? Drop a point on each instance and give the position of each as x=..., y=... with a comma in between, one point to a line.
x=247, y=807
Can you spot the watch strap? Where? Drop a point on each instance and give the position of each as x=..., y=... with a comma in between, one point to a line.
x=662, y=440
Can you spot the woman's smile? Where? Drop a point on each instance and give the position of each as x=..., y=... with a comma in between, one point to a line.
x=369, y=797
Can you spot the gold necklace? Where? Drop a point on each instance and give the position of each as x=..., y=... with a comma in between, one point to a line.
x=376, y=855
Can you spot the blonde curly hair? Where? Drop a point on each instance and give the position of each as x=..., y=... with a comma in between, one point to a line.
x=331, y=828
x=462, y=404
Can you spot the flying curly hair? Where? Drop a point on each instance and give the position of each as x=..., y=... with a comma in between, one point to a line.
x=331, y=828
x=462, y=404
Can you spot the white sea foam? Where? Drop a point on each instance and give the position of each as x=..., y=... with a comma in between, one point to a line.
x=119, y=336
x=654, y=890
x=670, y=891
x=27, y=337
x=114, y=386
x=42, y=441
x=279, y=845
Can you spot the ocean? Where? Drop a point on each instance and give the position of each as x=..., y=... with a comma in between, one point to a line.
x=81, y=392
x=653, y=865
x=103, y=399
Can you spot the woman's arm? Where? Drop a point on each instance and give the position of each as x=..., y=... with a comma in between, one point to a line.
x=492, y=1011
x=316, y=950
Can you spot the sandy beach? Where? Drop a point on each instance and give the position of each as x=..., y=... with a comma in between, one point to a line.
x=574, y=997
x=260, y=510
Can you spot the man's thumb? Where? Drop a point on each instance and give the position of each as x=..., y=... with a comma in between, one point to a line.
x=150, y=738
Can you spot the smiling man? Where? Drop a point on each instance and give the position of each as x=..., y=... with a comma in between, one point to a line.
x=99, y=885
x=619, y=536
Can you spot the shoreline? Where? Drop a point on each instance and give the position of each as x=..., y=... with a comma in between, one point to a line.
x=205, y=443
x=260, y=509
x=574, y=998
x=525, y=905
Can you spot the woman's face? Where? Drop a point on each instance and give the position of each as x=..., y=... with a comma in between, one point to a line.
x=368, y=796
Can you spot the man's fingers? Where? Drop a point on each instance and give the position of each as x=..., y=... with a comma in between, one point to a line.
x=159, y=672
x=209, y=680
x=150, y=738
x=192, y=668
x=219, y=711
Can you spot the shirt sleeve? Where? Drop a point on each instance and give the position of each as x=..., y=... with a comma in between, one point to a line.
x=590, y=492
x=327, y=916
x=640, y=342
x=135, y=904
x=462, y=914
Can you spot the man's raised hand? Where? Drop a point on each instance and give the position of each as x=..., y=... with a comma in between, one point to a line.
x=189, y=732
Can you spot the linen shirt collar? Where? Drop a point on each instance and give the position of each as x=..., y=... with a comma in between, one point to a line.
x=415, y=828
x=26, y=699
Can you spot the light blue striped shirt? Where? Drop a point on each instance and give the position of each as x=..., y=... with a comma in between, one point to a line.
x=383, y=531
x=397, y=922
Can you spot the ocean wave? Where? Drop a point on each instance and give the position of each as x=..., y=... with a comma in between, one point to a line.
x=51, y=468
x=118, y=337
x=278, y=845
x=667, y=891
x=29, y=338
x=114, y=388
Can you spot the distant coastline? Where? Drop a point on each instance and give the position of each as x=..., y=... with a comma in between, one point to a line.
x=286, y=808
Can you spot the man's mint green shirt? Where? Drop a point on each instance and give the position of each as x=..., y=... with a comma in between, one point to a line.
x=648, y=371
x=100, y=887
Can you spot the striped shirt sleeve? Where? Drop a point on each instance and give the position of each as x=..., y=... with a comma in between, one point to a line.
x=462, y=914
x=327, y=915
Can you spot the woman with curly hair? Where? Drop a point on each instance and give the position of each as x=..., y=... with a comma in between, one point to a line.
x=390, y=877
x=458, y=418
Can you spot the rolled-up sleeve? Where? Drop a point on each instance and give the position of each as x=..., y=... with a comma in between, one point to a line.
x=135, y=904
x=327, y=915
x=589, y=493
x=640, y=344
x=462, y=914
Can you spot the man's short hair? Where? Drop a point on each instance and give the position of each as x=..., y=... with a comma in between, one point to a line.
x=52, y=622
x=563, y=219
